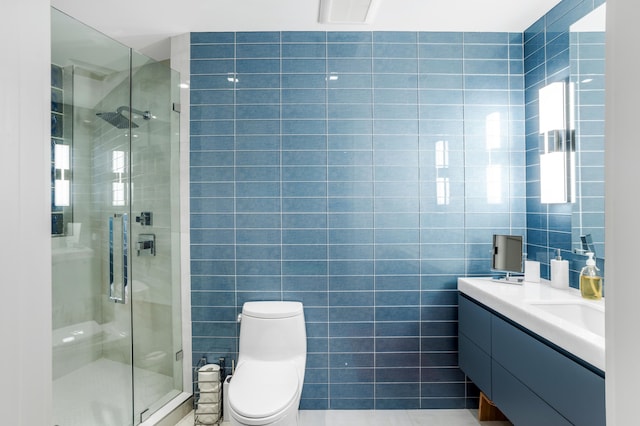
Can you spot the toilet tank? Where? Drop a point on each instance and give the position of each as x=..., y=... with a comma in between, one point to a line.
x=272, y=331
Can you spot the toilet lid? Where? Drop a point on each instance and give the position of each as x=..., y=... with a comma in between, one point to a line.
x=262, y=389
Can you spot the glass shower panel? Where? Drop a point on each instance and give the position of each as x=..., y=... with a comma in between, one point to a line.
x=92, y=334
x=155, y=287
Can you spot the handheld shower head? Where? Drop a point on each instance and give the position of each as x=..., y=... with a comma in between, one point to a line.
x=121, y=121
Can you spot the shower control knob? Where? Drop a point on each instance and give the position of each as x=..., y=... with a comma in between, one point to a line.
x=145, y=219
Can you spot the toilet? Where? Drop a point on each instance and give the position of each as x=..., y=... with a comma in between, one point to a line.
x=267, y=383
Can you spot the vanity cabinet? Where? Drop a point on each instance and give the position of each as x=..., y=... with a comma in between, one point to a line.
x=530, y=380
x=474, y=343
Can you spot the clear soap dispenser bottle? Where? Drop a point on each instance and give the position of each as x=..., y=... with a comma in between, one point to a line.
x=590, y=282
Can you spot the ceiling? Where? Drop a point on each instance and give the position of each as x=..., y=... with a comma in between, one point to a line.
x=146, y=25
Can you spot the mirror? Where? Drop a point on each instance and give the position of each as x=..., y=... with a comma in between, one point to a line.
x=507, y=254
x=587, y=68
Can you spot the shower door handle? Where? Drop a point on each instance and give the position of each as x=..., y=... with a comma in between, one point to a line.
x=118, y=284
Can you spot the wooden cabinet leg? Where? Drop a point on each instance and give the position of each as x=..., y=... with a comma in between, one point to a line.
x=487, y=411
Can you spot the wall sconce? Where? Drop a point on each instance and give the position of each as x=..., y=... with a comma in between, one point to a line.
x=557, y=158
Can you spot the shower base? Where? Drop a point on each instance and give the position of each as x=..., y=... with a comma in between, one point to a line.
x=99, y=394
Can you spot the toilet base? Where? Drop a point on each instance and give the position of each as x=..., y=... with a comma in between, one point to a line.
x=290, y=419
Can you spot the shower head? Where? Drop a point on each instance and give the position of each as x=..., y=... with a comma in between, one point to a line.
x=119, y=120
x=116, y=119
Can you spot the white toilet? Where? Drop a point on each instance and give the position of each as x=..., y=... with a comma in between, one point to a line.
x=266, y=386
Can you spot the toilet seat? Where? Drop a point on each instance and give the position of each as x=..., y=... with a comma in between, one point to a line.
x=259, y=390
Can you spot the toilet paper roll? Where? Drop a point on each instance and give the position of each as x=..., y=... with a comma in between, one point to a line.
x=206, y=419
x=209, y=377
x=206, y=386
x=209, y=397
x=209, y=387
x=208, y=408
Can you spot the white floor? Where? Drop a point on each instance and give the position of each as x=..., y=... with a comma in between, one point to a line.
x=384, y=418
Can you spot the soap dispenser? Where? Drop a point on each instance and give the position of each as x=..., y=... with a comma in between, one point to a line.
x=559, y=272
x=590, y=282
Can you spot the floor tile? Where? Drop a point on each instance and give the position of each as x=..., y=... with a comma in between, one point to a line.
x=384, y=418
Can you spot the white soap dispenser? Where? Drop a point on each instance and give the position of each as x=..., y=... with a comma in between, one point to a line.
x=559, y=272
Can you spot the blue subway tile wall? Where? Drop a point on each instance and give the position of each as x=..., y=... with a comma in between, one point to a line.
x=360, y=173
x=547, y=58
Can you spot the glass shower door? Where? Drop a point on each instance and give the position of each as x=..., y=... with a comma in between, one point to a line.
x=115, y=219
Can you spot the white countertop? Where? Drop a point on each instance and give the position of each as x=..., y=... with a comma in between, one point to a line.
x=518, y=302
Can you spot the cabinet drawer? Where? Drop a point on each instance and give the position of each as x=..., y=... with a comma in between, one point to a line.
x=475, y=363
x=573, y=390
x=521, y=406
x=474, y=322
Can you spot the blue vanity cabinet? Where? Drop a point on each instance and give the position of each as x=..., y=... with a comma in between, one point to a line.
x=520, y=404
x=530, y=380
x=566, y=385
x=474, y=343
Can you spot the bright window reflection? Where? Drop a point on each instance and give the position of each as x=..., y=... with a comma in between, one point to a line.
x=494, y=184
x=442, y=154
x=62, y=185
x=117, y=162
x=442, y=191
x=118, y=166
x=61, y=155
x=62, y=192
x=493, y=140
x=117, y=191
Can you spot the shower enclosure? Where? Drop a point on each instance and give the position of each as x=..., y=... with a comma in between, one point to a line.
x=117, y=354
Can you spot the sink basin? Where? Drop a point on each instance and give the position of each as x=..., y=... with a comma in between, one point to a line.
x=578, y=312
